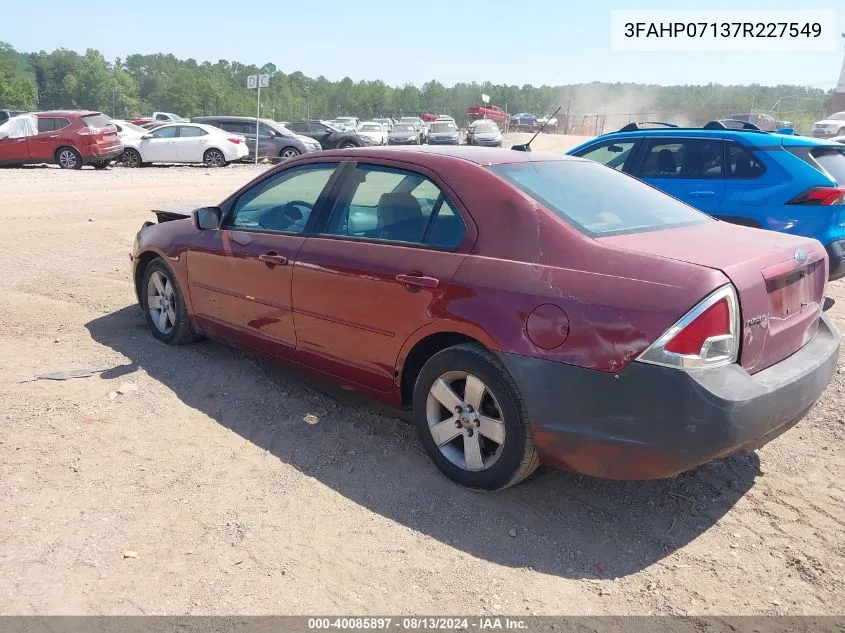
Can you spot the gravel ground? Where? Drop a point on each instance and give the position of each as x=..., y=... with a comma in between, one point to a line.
x=187, y=480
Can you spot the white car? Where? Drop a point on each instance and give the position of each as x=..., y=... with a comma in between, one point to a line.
x=347, y=123
x=184, y=143
x=376, y=132
x=838, y=139
x=833, y=125
x=127, y=130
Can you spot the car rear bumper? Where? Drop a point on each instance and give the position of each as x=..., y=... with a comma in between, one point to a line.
x=651, y=422
x=397, y=142
x=836, y=256
x=487, y=142
x=96, y=154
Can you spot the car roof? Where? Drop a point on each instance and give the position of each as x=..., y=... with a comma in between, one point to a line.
x=748, y=137
x=425, y=154
x=66, y=113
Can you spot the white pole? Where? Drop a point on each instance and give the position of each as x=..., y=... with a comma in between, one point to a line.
x=257, y=115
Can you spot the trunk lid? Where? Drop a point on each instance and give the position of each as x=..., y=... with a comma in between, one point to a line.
x=780, y=280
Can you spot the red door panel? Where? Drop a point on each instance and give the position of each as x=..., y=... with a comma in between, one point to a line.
x=240, y=285
x=14, y=150
x=353, y=314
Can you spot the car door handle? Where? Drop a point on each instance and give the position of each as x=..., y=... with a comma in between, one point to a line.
x=702, y=194
x=418, y=280
x=54, y=136
x=273, y=259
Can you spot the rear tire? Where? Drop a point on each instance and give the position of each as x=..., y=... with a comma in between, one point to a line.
x=214, y=158
x=68, y=158
x=131, y=158
x=164, y=306
x=469, y=455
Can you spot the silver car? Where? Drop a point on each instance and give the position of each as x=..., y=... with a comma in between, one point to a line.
x=275, y=141
x=484, y=132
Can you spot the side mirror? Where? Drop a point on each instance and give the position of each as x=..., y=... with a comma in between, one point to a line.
x=207, y=218
x=146, y=137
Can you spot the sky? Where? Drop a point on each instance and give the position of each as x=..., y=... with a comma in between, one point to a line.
x=503, y=41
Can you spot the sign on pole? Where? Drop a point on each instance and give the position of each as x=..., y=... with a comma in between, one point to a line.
x=485, y=98
x=257, y=82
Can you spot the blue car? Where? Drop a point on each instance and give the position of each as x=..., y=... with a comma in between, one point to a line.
x=792, y=184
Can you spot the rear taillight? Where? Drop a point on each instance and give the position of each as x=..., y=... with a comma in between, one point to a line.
x=820, y=196
x=87, y=131
x=235, y=140
x=707, y=336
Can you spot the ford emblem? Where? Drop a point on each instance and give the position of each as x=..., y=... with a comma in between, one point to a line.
x=801, y=256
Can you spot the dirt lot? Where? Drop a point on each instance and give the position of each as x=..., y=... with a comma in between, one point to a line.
x=198, y=463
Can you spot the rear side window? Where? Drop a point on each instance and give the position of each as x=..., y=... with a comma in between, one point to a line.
x=189, y=130
x=742, y=163
x=832, y=160
x=46, y=124
x=598, y=201
x=683, y=158
x=96, y=121
x=613, y=154
x=390, y=204
x=166, y=132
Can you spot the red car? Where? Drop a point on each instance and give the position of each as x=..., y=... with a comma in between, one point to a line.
x=493, y=112
x=70, y=138
x=528, y=308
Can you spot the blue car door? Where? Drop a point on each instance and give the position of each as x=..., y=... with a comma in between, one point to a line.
x=690, y=169
x=750, y=188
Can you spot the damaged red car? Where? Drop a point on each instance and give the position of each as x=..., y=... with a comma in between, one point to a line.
x=527, y=308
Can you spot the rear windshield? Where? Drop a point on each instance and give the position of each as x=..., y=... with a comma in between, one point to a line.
x=96, y=121
x=832, y=160
x=596, y=200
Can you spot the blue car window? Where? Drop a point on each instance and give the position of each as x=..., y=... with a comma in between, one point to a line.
x=742, y=163
x=684, y=158
x=613, y=154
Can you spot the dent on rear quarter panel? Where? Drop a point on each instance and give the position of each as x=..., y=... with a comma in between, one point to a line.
x=617, y=302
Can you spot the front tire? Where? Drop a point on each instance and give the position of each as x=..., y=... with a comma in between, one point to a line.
x=214, y=158
x=68, y=158
x=347, y=145
x=288, y=153
x=164, y=306
x=471, y=419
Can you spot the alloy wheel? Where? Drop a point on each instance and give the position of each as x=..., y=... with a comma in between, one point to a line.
x=161, y=302
x=290, y=152
x=214, y=158
x=68, y=159
x=465, y=421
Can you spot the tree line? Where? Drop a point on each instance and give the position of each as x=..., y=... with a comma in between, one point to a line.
x=139, y=84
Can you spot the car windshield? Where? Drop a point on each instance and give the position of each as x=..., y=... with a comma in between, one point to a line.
x=96, y=121
x=131, y=127
x=403, y=127
x=371, y=128
x=447, y=126
x=596, y=200
x=485, y=127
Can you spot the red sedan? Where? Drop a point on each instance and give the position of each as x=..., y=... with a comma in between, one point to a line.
x=528, y=308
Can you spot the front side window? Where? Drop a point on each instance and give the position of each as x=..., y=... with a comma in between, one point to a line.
x=614, y=154
x=598, y=201
x=170, y=131
x=299, y=128
x=683, y=158
x=396, y=205
x=282, y=202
